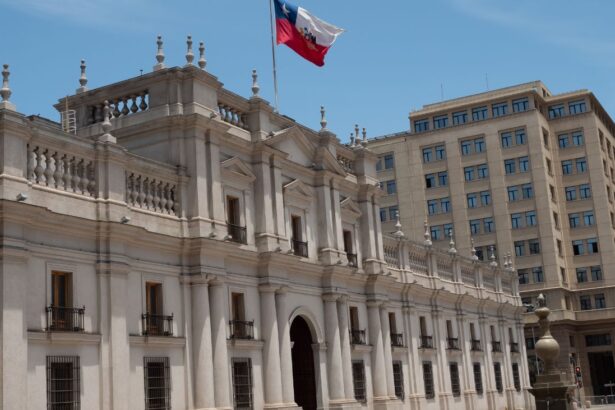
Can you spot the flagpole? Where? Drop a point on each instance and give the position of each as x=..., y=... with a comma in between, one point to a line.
x=275, y=73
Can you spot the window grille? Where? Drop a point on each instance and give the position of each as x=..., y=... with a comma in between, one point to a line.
x=398, y=379
x=157, y=383
x=478, y=379
x=358, y=380
x=497, y=370
x=455, y=387
x=63, y=383
x=428, y=380
x=242, y=383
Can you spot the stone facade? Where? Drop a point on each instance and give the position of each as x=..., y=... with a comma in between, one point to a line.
x=530, y=173
x=200, y=251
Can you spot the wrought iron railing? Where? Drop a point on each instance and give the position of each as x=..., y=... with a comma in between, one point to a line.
x=476, y=347
x=241, y=329
x=357, y=337
x=426, y=342
x=157, y=325
x=496, y=346
x=452, y=343
x=300, y=248
x=237, y=233
x=397, y=339
x=514, y=347
x=352, y=259
x=64, y=319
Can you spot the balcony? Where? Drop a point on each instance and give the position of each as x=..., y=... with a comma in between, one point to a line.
x=300, y=248
x=64, y=319
x=352, y=259
x=157, y=325
x=452, y=343
x=514, y=347
x=241, y=329
x=237, y=233
x=397, y=340
x=476, y=347
x=357, y=337
x=426, y=342
x=496, y=346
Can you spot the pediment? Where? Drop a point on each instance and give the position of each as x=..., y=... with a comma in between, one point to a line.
x=235, y=168
x=350, y=208
x=295, y=144
x=328, y=161
x=298, y=190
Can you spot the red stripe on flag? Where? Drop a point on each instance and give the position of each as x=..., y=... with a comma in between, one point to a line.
x=289, y=35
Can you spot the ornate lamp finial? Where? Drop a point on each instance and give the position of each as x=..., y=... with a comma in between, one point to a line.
x=473, y=250
x=106, y=125
x=189, y=53
x=159, y=55
x=493, y=262
x=202, y=62
x=427, y=234
x=83, y=80
x=398, y=233
x=5, y=91
x=255, y=87
x=323, y=120
x=451, y=243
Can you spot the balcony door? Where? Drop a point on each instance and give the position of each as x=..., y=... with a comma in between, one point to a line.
x=61, y=289
x=153, y=298
x=232, y=209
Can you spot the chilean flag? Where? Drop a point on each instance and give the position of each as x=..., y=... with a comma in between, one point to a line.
x=306, y=34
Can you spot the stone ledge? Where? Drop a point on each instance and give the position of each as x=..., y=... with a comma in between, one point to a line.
x=157, y=341
x=245, y=344
x=35, y=336
x=362, y=348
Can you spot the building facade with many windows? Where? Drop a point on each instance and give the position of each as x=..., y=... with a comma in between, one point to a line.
x=526, y=172
x=172, y=245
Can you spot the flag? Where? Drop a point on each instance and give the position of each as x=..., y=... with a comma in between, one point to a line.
x=306, y=34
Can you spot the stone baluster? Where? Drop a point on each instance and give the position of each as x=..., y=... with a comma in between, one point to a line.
x=68, y=177
x=41, y=164
x=143, y=105
x=49, y=169
x=125, y=110
x=58, y=175
x=163, y=198
x=31, y=163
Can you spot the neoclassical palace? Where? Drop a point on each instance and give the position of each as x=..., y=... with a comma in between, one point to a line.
x=172, y=245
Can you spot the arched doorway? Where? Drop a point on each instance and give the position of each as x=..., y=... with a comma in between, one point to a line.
x=304, y=379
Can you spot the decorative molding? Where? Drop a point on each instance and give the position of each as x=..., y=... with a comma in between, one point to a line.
x=245, y=344
x=235, y=169
x=156, y=341
x=81, y=338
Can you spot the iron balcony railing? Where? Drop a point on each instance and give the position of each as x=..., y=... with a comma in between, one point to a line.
x=300, y=248
x=357, y=337
x=352, y=259
x=496, y=346
x=64, y=319
x=157, y=325
x=452, y=343
x=514, y=347
x=237, y=233
x=241, y=329
x=426, y=342
x=397, y=339
x=476, y=345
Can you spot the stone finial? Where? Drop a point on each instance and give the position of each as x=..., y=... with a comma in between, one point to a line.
x=255, y=87
x=511, y=267
x=398, y=232
x=5, y=91
x=189, y=53
x=83, y=80
x=473, y=250
x=356, y=132
x=159, y=55
x=546, y=347
x=202, y=62
x=451, y=244
x=106, y=125
x=352, y=140
x=427, y=234
x=364, y=137
x=323, y=120
x=493, y=262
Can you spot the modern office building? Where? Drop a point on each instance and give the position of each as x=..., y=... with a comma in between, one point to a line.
x=172, y=245
x=527, y=172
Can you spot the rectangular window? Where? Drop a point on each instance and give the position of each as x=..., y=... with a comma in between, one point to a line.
x=398, y=379
x=599, y=301
x=520, y=105
x=242, y=383
x=556, y=111
x=479, y=145
x=430, y=392
x=516, y=221
x=585, y=191
x=427, y=154
x=524, y=277
x=479, y=113
x=391, y=187
x=468, y=173
x=596, y=272
x=455, y=385
x=506, y=138
x=443, y=178
x=534, y=246
x=588, y=218
x=460, y=117
x=296, y=228
x=471, y=199
x=482, y=171
x=577, y=139
x=393, y=213
x=520, y=138
x=581, y=275
x=485, y=198
x=466, y=147
x=581, y=164
x=592, y=245
x=440, y=121
x=598, y=340
x=509, y=166
x=389, y=161
x=61, y=289
x=157, y=382
x=538, y=274
x=232, y=211
x=567, y=167
x=571, y=193
x=578, y=247
x=478, y=378
x=519, y=248
x=528, y=191
x=497, y=371
x=524, y=164
x=238, y=311
x=516, y=378
x=499, y=109
x=63, y=383
x=574, y=220
x=358, y=380
x=475, y=226
x=383, y=215
x=421, y=125
x=153, y=298
x=430, y=181
x=563, y=141
x=445, y=205
x=440, y=152
x=488, y=225
x=585, y=302
x=436, y=233
x=576, y=107
x=530, y=218
x=513, y=193
x=432, y=207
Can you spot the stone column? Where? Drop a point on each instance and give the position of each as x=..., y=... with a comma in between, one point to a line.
x=342, y=312
x=467, y=366
x=443, y=391
x=413, y=357
x=272, y=378
x=286, y=360
x=218, y=308
x=375, y=338
x=488, y=381
x=509, y=389
x=388, y=355
x=203, y=361
x=335, y=374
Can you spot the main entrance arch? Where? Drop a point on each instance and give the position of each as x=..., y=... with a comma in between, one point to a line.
x=304, y=377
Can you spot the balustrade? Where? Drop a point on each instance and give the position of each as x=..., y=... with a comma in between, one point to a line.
x=468, y=274
x=475, y=345
x=64, y=319
x=417, y=259
x=514, y=347
x=157, y=325
x=151, y=193
x=346, y=163
x=237, y=233
x=488, y=280
x=496, y=346
x=397, y=339
x=232, y=115
x=426, y=342
x=357, y=337
x=58, y=170
x=391, y=256
x=445, y=267
x=241, y=329
x=452, y=343
x=119, y=106
x=300, y=248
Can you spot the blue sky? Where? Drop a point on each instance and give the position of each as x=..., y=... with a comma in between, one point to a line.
x=395, y=56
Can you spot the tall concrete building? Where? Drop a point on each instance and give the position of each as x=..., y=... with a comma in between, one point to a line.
x=172, y=245
x=523, y=171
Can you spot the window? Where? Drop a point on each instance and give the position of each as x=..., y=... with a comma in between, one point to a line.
x=581, y=164
x=497, y=371
x=563, y=141
x=524, y=164
x=427, y=154
x=519, y=248
x=567, y=167
x=581, y=275
x=460, y=117
x=358, y=380
x=232, y=211
x=478, y=378
x=157, y=383
x=440, y=121
x=556, y=220
x=528, y=191
x=598, y=340
x=479, y=113
x=466, y=147
x=354, y=317
x=61, y=289
x=516, y=379
x=529, y=341
x=556, y=111
x=592, y=245
x=298, y=243
x=445, y=205
x=238, y=306
x=383, y=215
x=574, y=220
x=398, y=379
x=479, y=145
x=389, y=161
x=63, y=383
x=488, y=225
x=242, y=383
x=391, y=187
x=534, y=246
x=599, y=301
x=520, y=138
x=443, y=178
x=524, y=277
x=485, y=198
x=432, y=207
x=520, y=105
x=577, y=138
x=471, y=199
x=393, y=213
x=421, y=125
x=550, y=171
x=475, y=226
x=506, y=138
x=499, y=109
x=482, y=171
x=571, y=193
x=430, y=181
x=596, y=272
x=455, y=386
x=509, y=166
x=513, y=193
x=440, y=152
x=516, y=221
x=576, y=107
x=153, y=298
x=468, y=173
x=578, y=247
x=538, y=274
x=585, y=191
x=428, y=381
x=530, y=218
x=436, y=233
x=585, y=302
